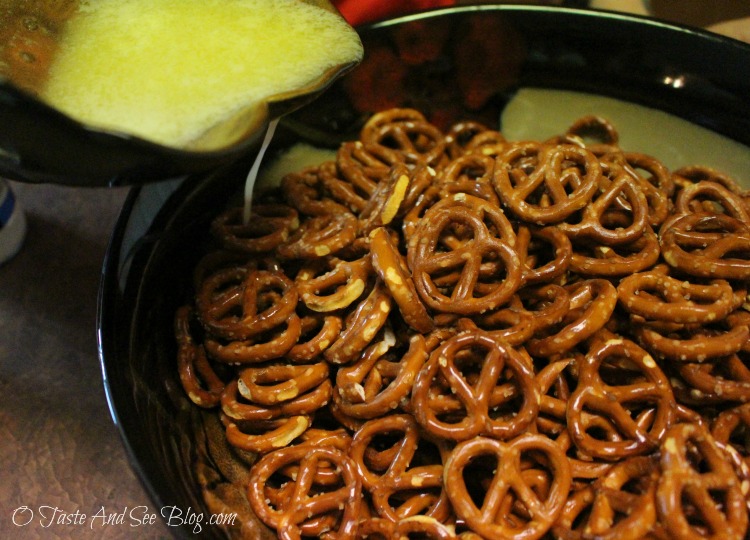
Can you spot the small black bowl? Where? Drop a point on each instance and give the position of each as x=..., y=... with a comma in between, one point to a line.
x=159, y=236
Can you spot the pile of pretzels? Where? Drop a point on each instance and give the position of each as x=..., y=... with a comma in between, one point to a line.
x=451, y=335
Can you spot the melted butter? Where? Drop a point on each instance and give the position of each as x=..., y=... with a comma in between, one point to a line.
x=166, y=70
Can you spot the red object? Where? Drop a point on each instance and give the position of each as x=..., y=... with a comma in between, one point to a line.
x=364, y=11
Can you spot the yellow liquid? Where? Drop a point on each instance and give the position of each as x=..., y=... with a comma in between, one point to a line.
x=166, y=70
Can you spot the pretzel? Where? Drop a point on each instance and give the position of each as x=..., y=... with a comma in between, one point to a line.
x=685, y=176
x=656, y=296
x=199, y=380
x=695, y=474
x=526, y=168
x=591, y=305
x=725, y=379
x=259, y=348
x=305, y=191
x=512, y=325
x=730, y=428
x=591, y=225
x=263, y=436
x=598, y=260
x=393, y=271
x=320, y=236
x=235, y=407
x=411, y=141
x=458, y=137
x=688, y=344
x=470, y=174
x=268, y=227
x=376, y=528
x=265, y=299
x=418, y=487
x=620, y=505
x=376, y=384
x=597, y=133
x=386, y=199
x=698, y=244
x=537, y=511
x=649, y=388
x=427, y=261
x=300, y=513
x=496, y=358
x=361, y=167
x=361, y=326
x=347, y=279
x=706, y=196
x=531, y=243
x=271, y=384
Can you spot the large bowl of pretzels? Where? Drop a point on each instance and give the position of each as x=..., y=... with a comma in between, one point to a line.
x=439, y=331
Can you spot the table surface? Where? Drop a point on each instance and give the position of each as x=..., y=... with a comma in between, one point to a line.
x=60, y=453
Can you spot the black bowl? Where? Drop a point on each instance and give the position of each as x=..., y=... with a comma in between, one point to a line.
x=158, y=238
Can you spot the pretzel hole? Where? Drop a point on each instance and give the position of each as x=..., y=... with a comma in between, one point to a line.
x=478, y=475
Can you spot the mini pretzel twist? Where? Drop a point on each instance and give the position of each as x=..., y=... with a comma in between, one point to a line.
x=591, y=305
x=708, y=245
x=711, y=197
x=386, y=201
x=305, y=191
x=647, y=388
x=199, y=380
x=656, y=296
x=458, y=356
x=531, y=243
x=393, y=271
x=376, y=384
x=416, y=487
x=492, y=516
x=598, y=260
x=377, y=528
x=470, y=174
x=259, y=348
x=695, y=475
x=618, y=506
x=544, y=184
x=361, y=326
x=333, y=284
x=400, y=140
x=268, y=227
x=428, y=260
x=320, y=236
x=306, y=501
x=592, y=226
x=725, y=379
x=263, y=436
x=238, y=303
x=236, y=407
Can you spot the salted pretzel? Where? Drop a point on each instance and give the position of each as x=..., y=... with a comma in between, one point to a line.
x=596, y=132
x=361, y=167
x=269, y=345
x=545, y=253
x=320, y=236
x=237, y=407
x=492, y=358
x=591, y=305
x=201, y=383
x=655, y=295
x=731, y=427
x=471, y=174
x=428, y=261
x=725, y=379
x=403, y=140
x=263, y=436
x=378, y=382
x=597, y=260
x=238, y=302
x=316, y=334
x=567, y=175
x=691, y=174
x=391, y=266
x=300, y=512
x=649, y=388
x=417, y=487
x=268, y=227
x=686, y=343
x=706, y=196
x=376, y=528
x=593, y=227
x=361, y=326
x=708, y=245
x=333, y=283
x=305, y=191
x=618, y=506
x=492, y=517
x=695, y=475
